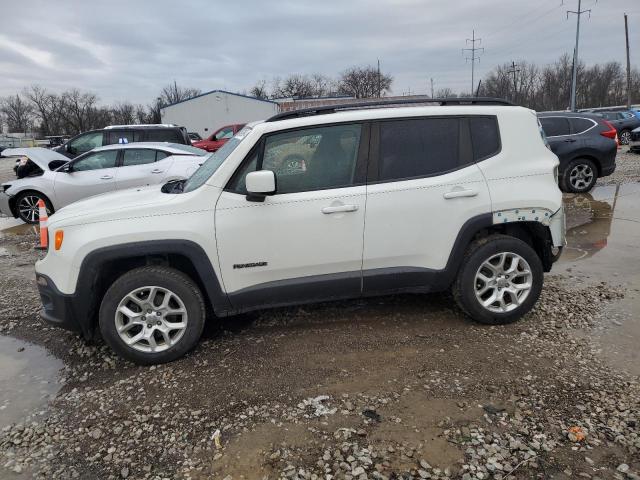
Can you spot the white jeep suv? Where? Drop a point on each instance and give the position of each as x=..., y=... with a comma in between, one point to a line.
x=314, y=205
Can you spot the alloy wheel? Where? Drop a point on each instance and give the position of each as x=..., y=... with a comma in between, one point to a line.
x=625, y=138
x=581, y=176
x=503, y=282
x=151, y=319
x=28, y=208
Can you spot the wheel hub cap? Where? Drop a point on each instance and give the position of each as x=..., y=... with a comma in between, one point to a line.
x=581, y=176
x=503, y=282
x=151, y=319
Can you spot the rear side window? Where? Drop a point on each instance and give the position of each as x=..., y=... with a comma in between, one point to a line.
x=418, y=148
x=555, y=126
x=120, y=136
x=137, y=156
x=580, y=125
x=164, y=135
x=485, y=137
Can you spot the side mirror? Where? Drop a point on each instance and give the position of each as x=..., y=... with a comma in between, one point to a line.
x=260, y=184
x=66, y=168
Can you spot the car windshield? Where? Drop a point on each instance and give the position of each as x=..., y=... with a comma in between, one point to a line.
x=214, y=161
x=188, y=148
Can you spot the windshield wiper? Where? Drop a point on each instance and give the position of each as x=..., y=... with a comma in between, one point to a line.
x=174, y=186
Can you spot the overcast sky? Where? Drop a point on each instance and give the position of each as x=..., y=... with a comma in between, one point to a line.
x=128, y=50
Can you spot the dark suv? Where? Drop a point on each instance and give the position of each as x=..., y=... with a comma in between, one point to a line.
x=585, y=145
x=86, y=141
x=624, y=123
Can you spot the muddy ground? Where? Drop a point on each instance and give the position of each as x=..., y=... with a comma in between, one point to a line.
x=393, y=387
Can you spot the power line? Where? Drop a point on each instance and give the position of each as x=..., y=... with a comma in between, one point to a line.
x=472, y=41
x=515, y=68
x=574, y=78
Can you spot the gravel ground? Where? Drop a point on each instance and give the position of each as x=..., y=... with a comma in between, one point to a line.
x=395, y=387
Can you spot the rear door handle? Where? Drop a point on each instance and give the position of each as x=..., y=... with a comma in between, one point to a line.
x=570, y=140
x=157, y=170
x=460, y=192
x=339, y=209
x=106, y=177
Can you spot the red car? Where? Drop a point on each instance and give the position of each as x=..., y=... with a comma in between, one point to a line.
x=218, y=138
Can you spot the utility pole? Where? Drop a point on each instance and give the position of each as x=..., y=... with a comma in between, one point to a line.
x=379, y=79
x=431, y=87
x=574, y=78
x=515, y=68
x=472, y=41
x=626, y=33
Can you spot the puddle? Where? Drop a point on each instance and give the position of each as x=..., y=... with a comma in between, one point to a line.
x=603, y=244
x=15, y=228
x=9, y=222
x=28, y=380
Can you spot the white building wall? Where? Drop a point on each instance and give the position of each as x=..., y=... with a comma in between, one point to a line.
x=207, y=113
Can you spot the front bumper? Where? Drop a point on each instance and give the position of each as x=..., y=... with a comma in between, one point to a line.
x=4, y=205
x=59, y=309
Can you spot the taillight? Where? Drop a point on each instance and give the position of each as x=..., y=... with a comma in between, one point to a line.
x=611, y=133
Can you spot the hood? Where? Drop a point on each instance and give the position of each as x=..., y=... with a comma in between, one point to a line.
x=134, y=202
x=38, y=155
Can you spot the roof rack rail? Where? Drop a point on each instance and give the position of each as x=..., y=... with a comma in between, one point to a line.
x=320, y=110
x=141, y=125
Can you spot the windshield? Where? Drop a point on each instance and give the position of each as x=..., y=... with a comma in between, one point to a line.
x=214, y=161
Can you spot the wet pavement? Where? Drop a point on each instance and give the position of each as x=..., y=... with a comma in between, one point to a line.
x=603, y=236
x=28, y=380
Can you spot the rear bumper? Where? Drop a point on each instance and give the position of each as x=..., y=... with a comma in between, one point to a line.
x=4, y=204
x=59, y=310
x=608, y=169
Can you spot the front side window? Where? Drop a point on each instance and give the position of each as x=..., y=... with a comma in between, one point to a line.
x=86, y=142
x=419, y=147
x=138, y=156
x=555, y=126
x=95, y=161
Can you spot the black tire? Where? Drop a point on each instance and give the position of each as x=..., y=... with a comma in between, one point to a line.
x=166, y=278
x=625, y=137
x=23, y=203
x=464, y=287
x=570, y=183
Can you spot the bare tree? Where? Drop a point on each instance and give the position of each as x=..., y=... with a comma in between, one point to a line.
x=18, y=113
x=294, y=86
x=364, y=82
x=259, y=90
x=47, y=108
x=123, y=114
x=173, y=93
x=80, y=111
x=445, y=93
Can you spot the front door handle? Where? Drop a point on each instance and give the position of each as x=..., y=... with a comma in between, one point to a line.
x=460, y=192
x=570, y=140
x=339, y=209
x=157, y=170
x=106, y=177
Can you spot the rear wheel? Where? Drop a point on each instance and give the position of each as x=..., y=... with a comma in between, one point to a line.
x=26, y=206
x=152, y=315
x=579, y=176
x=500, y=280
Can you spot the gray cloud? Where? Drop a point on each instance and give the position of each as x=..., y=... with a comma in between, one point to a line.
x=125, y=50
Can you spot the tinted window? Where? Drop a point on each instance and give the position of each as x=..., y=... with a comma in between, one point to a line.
x=96, y=160
x=418, y=147
x=86, y=142
x=164, y=135
x=554, y=126
x=485, y=137
x=579, y=125
x=119, y=136
x=137, y=156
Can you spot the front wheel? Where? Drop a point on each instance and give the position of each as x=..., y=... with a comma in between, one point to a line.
x=152, y=315
x=625, y=137
x=499, y=281
x=26, y=206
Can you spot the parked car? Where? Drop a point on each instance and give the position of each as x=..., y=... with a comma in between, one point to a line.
x=585, y=144
x=59, y=182
x=194, y=137
x=624, y=123
x=113, y=134
x=634, y=142
x=219, y=137
x=457, y=196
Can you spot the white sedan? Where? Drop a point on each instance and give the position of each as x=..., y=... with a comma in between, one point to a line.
x=50, y=176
